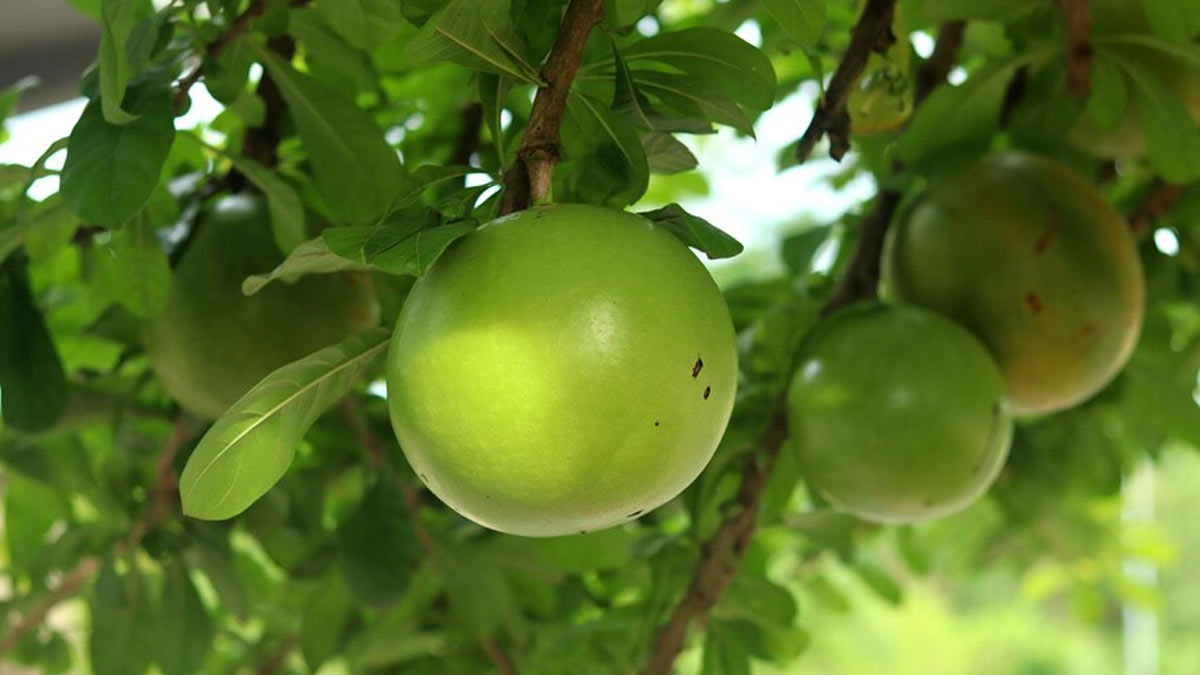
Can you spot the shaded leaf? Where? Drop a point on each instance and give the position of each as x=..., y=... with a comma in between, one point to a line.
x=33, y=387
x=311, y=257
x=377, y=546
x=738, y=69
x=121, y=640
x=366, y=24
x=475, y=33
x=117, y=20
x=665, y=154
x=287, y=212
x=186, y=630
x=802, y=20
x=142, y=274
x=694, y=231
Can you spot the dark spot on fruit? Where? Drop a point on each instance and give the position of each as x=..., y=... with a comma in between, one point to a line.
x=656, y=423
x=422, y=476
x=583, y=532
x=698, y=367
x=928, y=503
x=1034, y=302
x=635, y=513
x=707, y=391
x=1043, y=242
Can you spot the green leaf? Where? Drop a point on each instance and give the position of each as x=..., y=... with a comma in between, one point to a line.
x=355, y=169
x=51, y=228
x=1172, y=139
x=1109, y=99
x=797, y=250
x=121, y=639
x=627, y=98
x=248, y=449
x=377, y=546
x=493, y=90
x=802, y=20
x=725, y=651
x=605, y=159
x=323, y=622
x=1172, y=19
x=311, y=257
x=30, y=509
x=737, y=68
x=226, y=76
x=475, y=33
x=956, y=116
x=11, y=239
x=186, y=630
x=939, y=11
x=326, y=52
x=665, y=154
x=9, y=97
x=117, y=19
x=426, y=177
x=694, y=231
x=366, y=24
x=33, y=387
x=142, y=274
x=287, y=212
x=581, y=553
x=111, y=170
x=693, y=97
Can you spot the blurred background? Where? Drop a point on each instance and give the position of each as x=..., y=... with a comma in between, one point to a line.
x=940, y=616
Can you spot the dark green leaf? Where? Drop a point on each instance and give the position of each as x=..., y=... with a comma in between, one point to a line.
x=665, y=154
x=1109, y=98
x=1172, y=139
x=142, y=275
x=287, y=212
x=694, y=231
x=956, y=116
x=111, y=170
x=605, y=161
x=248, y=449
x=377, y=546
x=33, y=388
x=735, y=67
x=1174, y=20
x=354, y=168
x=323, y=622
x=938, y=11
x=803, y=20
x=366, y=24
x=121, y=639
x=117, y=19
x=475, y=33
x=185, y=629
x=311, y=257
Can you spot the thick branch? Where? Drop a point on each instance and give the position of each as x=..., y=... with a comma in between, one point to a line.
x=721, y=554
x=528, y=179
x=262, y=142
x=239, y=26
x=1160, y=200
x=1078, y=15
x=872, y=33
x=162, y=497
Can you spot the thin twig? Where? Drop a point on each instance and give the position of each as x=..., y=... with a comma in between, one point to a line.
x=872, y=33
x=528, y=180
x=1078, y=15
x=162, y=497
x=722, y=554
x=1160, y=200
x=240, y=25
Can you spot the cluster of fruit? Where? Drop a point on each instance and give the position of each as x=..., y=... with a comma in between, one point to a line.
x=570, y=367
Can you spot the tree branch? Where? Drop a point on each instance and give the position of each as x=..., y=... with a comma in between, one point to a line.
x=1162, y=198
x=261, y=143
x=1078, y=15
x=872, y=33
x=723, y=552
x=162, y=498
x=528, y=180
x=239, y=26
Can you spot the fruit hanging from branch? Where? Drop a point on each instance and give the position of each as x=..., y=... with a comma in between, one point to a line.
x=1028, y=255
x=897, y=414
x=561, y=370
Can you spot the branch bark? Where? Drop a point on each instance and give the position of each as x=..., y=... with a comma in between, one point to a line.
x=162, y=497
x=1078, y=15
x=872, y=33
x=528, y=180
x=722, y=554
x=239, y=26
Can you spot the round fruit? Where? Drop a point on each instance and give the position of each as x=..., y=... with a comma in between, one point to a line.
x=561, y=370
x=1028, y=255
x=897, y=414
x=212, y=343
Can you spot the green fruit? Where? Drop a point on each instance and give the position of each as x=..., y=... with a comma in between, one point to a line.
x=897, y=414
x=1028, y=255
x=561, y=370
x=212, y=343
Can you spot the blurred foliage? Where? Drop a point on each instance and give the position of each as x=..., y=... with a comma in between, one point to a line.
x=355, y=136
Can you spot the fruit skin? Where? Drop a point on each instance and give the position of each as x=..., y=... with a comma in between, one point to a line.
x=1028, y=255
x=212, y=342
x=897, y=414
x=545, y=374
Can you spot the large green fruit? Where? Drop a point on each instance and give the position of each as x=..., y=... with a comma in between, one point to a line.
x=561, y=370
x=212, y=343
x=1028, y=255
x=897, y=414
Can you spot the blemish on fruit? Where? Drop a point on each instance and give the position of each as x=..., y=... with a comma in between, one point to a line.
x=635, y=513
x=707, y=391
x=655, y=422
x=1034, y=302
x=1043, y=242
x=698, y=367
